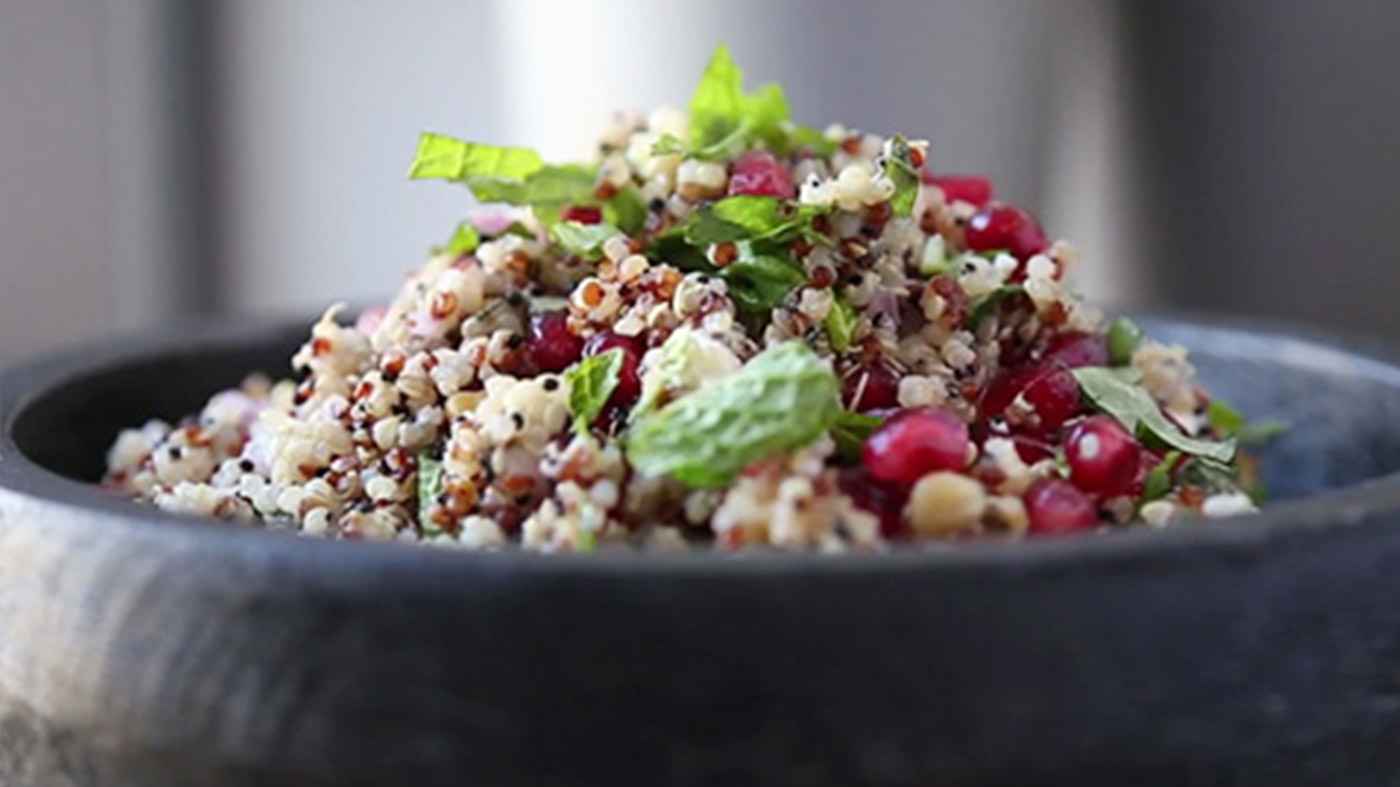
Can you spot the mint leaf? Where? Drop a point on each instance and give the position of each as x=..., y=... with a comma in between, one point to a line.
x=748, y=217
x=668, y=145
x=841, y=325
x=429, y=487
x=1158, y=481
x=984, y=306
x=546, y=189
x=782, y=399
x=626, y=210
x=441, y=156
x=761, y=277
x=1124, y=336
x=671, y=249
x=850, y=431
x=900, y=169
x=591, y=382
x=1117, y=394
x=810, y=138
x=1223, y=418
x=1260, y=432
x=1212, y=476
x=583, y=240
x=717, y=106
x=723, y=117
x=464, y=241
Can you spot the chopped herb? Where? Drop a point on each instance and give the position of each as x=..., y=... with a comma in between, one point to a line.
x=584, y=240
x=722, y=115
x=547, y=190
x=672, y=248
x=1212, y=476
x=591, y=383
x=782, y=399
x=1159, y=479
x=749, y=217
x=800, y=137
x=626, y=210
x=429, y=487
x=1124, y=336
x=900, y=169
x=986, y=305
x=850, y=431
x=841, y=325
x=464, y=241
x=1223, y=418
x=441, y=156
x=1261, y=432
x=761, y=277
x=1116, y=392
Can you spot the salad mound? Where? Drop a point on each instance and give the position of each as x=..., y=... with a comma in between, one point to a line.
x=726, y=330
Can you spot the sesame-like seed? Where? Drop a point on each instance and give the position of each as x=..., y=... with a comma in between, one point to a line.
x=551, y=384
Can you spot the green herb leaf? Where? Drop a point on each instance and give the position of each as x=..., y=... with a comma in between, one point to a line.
x=1260, y=432
x=671, y=248
x=782, y=399
x=724, y=118
x=591, y=382
x=668, y=145
x=900, y=169
x=464, y=241
x=1159, y=479
x=811, y=139
x=626, y=210
x=441, y=156
x=760, y=277
x=584, y=240
x=1124, y=336
x=1213, y=476
x=986, y=305
x=748, y=217
x=546, y=189
x=1223, y=418
x=1116, y=393
x=429, y=487
x=850, y=431
x=841, y=325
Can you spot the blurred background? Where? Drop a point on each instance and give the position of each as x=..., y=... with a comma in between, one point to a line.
x=162, y=159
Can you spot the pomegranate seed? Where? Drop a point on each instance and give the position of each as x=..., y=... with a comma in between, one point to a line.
x=759, y=172
x=1006, y=228
x=1103, y=457
x=583, y=214
x=1055, y=508
x=915, y=443
x=1075, y=350
x=1032, y=450
x=1055, y=398
x=975, y=190
x=553, y=346
x=884, y=499
x=629, y=381
x=1050, y=390
x=876, y=385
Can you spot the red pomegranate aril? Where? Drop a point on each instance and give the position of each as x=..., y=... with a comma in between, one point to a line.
x=759, y=172
x=1055, y=508
x=1103, y=457
x=1076, y=350
x=1006, y=228
x=915, y=443
x=1055, y=398
x=583, y=214
x=975, y=190
x=884, y=499
x=870, y=387
x=552, y=345
x=629, y=379
x=1032, y=450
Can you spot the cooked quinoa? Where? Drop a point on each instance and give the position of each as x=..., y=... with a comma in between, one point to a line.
x=726, y=331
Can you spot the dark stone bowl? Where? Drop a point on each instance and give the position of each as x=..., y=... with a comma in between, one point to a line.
x=140, y=648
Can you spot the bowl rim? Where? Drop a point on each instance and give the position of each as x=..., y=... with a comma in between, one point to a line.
x=1291, y=523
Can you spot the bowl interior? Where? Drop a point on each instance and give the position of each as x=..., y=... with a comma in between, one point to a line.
x=1343, y=407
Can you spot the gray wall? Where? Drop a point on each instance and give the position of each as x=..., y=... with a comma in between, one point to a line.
x=159, y=157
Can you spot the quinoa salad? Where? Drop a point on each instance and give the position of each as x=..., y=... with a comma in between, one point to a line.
x=727, y=331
